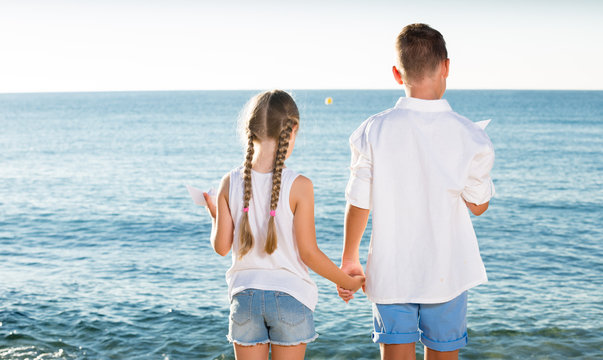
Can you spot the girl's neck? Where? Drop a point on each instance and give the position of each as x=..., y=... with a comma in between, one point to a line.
x=263, y=156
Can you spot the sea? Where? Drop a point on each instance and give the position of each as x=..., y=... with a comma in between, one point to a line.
x=103, y=254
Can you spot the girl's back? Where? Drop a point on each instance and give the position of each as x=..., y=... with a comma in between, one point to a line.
x=282, y=270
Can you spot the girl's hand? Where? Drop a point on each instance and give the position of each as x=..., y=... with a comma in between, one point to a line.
x=358, y=282
x=352, y=268
x=345, y=295
x=211, y=207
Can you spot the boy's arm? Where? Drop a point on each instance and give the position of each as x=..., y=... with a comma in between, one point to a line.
x=479, y=188
x=477, y=210
x=358, y=195
x=354, y=225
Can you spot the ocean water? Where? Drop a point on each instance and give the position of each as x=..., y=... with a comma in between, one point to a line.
x=104, y=256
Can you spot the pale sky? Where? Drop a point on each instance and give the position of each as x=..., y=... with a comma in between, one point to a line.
x=87, y=45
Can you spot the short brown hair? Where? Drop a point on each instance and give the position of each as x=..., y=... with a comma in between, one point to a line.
x=420, y=49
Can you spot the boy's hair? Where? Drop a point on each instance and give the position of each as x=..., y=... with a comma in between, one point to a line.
x=270, y=115
x=420, y=50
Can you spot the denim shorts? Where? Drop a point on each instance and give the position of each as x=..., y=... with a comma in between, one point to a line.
x=440, y=327
x=262, y=316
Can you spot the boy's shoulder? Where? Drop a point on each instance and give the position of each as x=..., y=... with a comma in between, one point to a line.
x=380, y=116
x=475, y=132
x=366, y=125
x=463, y=120
x=452, y=120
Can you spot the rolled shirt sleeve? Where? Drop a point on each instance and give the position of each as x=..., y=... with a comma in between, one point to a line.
x=358, y=190
x=480, y=188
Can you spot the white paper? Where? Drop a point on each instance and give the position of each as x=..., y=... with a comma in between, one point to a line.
x=197, y=195
x=482, y=124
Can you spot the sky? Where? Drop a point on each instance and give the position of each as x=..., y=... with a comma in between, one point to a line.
x=107, y=45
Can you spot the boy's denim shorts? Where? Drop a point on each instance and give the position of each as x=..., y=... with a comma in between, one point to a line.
x=440, y=327
x=262, y=316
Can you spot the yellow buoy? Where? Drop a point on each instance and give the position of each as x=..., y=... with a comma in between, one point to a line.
x=328, y=101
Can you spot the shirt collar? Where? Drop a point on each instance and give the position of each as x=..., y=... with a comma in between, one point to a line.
x=415, y=104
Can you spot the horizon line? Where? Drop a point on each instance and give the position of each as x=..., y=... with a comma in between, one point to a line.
x=262, y=89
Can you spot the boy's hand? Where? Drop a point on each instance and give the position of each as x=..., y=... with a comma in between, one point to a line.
x=211, y=207
x=477, y=210
x=352, y=268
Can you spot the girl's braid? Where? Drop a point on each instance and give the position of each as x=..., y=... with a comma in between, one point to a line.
x=246, y=237
x=279, y=161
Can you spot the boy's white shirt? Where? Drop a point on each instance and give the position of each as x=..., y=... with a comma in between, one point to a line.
x=413, y=165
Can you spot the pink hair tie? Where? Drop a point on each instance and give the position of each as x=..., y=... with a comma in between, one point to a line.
x=246, y=209
x=272, y=212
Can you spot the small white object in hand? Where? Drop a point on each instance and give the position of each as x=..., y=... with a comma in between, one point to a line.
x=197, y=195
x=482, y=124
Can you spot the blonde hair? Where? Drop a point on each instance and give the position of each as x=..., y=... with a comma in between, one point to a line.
x=271, y=115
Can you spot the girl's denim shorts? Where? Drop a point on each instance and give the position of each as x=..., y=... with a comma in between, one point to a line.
x=263, y=316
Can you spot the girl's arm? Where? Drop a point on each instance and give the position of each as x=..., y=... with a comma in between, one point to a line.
x=302, y=204
x=222, y=224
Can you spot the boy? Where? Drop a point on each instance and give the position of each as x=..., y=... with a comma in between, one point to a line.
x=417, y=167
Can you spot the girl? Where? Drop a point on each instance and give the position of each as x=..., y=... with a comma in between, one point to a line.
x=265, y=213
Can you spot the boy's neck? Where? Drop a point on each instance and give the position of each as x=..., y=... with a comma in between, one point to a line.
x=426, y=89
x=431, y=87
x=424, y=93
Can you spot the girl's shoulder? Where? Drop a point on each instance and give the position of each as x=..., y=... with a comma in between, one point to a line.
x=238, y=169
x=236, y=173
x=231, y=179
x=290, y=172
x=302, y=194
x=224, y=189
x=302, y=185
x=294, y=178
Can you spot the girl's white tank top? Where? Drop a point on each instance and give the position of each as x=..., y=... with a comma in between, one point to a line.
x=283, y=270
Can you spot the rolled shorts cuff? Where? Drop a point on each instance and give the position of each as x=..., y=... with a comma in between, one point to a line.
x=396, y=338
x=444, y=345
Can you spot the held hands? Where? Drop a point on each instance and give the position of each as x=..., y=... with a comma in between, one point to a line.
x=211, y=207
x=357, y=283
x=354, y=269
